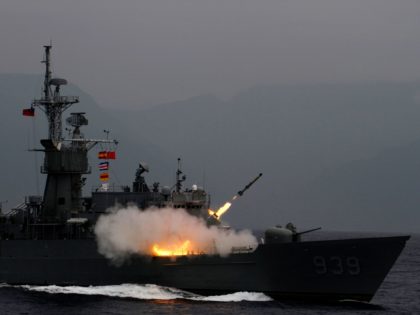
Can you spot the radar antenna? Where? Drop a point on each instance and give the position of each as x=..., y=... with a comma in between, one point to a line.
x=179, y=179
x=52, y=103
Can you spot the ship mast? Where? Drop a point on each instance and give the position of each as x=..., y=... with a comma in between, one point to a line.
x=47, y=72
x=65, y=160
x=52, y=103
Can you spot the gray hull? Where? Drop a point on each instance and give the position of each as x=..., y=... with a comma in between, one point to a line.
x=321, y=270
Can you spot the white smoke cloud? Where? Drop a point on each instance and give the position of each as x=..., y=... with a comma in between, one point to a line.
x=123, y=232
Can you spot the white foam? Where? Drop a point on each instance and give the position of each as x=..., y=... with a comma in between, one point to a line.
x=143, y=292
x=147, y=292
x=236, y=297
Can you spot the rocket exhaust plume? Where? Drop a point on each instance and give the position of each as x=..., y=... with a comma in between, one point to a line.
x=163, y=232
x=223, y=209
x=219, y=212
x=175, y=250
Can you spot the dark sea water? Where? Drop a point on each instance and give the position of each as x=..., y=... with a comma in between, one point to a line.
x=399, y=294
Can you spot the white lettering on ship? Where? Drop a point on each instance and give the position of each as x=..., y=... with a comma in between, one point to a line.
x=336, y=265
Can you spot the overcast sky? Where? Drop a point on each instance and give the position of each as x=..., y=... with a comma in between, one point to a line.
x=133, y=53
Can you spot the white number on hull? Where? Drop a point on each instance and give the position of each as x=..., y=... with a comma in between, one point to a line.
x=336, y=265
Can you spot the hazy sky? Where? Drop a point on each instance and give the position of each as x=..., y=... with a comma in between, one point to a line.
x=132, y=53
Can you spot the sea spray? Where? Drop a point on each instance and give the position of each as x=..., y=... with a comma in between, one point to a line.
x=146, y=292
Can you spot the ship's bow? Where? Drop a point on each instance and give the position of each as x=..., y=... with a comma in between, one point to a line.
x=330, y=270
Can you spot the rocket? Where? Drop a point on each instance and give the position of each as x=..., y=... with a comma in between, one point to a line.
x=241, y=192
x=216, y=214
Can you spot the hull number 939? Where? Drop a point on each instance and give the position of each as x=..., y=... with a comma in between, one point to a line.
x=336, y=265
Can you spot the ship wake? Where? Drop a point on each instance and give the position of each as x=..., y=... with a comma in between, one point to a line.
x=146, y=292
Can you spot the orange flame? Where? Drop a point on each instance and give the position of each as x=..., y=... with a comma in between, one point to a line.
x=173, y=250
x=219, y=212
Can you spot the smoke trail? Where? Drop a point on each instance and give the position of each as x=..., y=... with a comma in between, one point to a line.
x=123, y=232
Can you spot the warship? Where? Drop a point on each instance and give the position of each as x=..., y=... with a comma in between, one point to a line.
x=51, y=240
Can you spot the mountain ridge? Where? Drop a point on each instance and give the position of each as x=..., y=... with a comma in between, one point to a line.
x=294, y=136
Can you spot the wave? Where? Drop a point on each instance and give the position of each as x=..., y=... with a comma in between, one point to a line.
x=146, y=292
x=236, y=297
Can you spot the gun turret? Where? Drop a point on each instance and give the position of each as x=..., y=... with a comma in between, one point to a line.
x=308, y=231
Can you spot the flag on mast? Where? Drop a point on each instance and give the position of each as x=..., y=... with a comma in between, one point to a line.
x=106, y=155
x=111, y=155
x=29, y=112
x=104, y=177
x=103, y=166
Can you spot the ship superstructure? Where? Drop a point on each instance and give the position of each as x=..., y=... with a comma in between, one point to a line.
x=62, y=212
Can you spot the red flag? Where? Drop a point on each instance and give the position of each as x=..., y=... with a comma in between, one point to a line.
x=29, y=112
x=102, y=155
x=106, y=155
x=104, y=177
x=110, y=155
